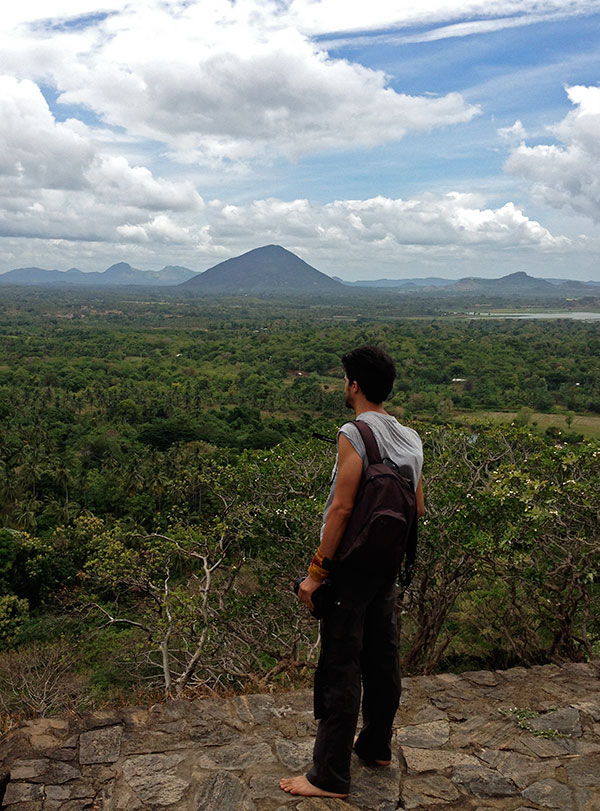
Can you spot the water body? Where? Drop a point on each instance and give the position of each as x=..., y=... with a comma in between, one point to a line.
x=528, y=316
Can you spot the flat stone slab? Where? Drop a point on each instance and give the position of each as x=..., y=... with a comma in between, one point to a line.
x=427, y=790
x=485, y=678
x=519, y=768
x=425, y=736
x=428, y=760
x=152, y=778
x=222, y=790
x=519, y=740
x=484, y=782
x=566, y=722
x=550, y=794
x=236, y=756
x=295, y=755
x=22, y=793
x=100, y=745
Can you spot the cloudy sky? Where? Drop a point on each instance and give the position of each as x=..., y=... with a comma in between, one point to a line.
x=374, y=139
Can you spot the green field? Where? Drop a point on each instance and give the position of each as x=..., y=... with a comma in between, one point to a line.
x=584, y=424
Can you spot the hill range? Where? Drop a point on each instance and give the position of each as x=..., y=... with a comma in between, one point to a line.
x=119, y=274
x=272, y=270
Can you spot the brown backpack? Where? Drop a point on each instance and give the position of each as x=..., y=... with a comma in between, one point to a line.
x=381, y=534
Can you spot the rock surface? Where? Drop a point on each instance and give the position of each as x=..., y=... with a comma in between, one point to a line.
x=517, y=740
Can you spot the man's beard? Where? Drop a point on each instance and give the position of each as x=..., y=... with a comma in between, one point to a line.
x=349, y=403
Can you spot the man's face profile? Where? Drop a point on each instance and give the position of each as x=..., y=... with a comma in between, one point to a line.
x=348, y=393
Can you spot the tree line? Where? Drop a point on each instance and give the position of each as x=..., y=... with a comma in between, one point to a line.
x=160, y=490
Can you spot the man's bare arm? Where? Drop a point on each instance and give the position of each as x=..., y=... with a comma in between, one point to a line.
x=349, y=474
x=420, y=498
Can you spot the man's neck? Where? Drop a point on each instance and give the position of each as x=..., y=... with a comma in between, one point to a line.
x=365, y=405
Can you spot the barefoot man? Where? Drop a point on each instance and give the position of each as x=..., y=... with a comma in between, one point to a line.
x=359, y=643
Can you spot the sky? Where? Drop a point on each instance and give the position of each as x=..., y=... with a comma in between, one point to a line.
x=375, y=139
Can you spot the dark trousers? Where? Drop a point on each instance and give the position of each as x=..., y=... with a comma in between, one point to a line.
x=359, y=642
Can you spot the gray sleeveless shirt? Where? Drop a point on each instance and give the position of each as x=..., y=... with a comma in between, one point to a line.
x=395, y=441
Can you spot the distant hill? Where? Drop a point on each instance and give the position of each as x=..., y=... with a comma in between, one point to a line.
x=116, y=275
x=519, y=284
x=270, y=269
x=33, y=276
x=514, y=284
x=570, y=281
x=428, y=281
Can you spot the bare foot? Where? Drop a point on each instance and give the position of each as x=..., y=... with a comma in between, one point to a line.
x=377, y=762
x=300, y=785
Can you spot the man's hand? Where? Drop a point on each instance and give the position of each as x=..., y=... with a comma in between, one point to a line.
x=306, y=589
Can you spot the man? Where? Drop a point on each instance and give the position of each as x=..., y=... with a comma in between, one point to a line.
x=358, y=636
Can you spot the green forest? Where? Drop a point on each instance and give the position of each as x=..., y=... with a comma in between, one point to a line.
x=161, y=488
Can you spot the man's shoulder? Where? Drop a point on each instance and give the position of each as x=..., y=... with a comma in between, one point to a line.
x=382, y=421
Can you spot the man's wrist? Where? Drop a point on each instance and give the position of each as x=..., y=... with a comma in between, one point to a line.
x=320, y=567
x=317, y=572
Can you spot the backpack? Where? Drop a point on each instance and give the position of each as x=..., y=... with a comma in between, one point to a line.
x=381, y=534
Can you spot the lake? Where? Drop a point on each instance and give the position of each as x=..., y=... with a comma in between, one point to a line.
x=572, y=315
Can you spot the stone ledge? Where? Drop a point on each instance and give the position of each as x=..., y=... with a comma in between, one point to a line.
x=517, y=739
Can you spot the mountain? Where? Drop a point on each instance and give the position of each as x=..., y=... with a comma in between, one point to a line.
x=517, y=283
x=122, y=273
x=570, y=281
x=176, y=274
x=270, y=269
x=428, y=281
x=514, y=284
x=32, y=276
x=521, y=284
x=116, y=275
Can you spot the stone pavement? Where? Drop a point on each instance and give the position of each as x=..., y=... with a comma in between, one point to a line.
x=516, y=739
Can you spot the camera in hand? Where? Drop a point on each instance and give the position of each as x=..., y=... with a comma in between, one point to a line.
x=322, y=598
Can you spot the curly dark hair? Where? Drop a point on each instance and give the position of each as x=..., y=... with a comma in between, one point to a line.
x=373, y=370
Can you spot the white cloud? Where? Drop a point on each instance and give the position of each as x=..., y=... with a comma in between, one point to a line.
x=29, y=11
x=515, y=133
x=330, y=16
x=324, y=16
x=35, y=150
x=567, y=175
x=112, y=178
x=342, y=233
x=54, y=181
x=159, y=229
x=452, y=221
x=218, y=81
x=236, y=81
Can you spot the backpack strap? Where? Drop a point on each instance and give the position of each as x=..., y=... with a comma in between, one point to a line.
x=373, y=453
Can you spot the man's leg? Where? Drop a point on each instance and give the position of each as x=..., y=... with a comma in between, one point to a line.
x=381, y=677
x=337, y=691
x=337, y=696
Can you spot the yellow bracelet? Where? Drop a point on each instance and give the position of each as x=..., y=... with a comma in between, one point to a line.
x=317, y=572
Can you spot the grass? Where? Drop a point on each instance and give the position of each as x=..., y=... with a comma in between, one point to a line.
x=523, y=716
x=587, y=425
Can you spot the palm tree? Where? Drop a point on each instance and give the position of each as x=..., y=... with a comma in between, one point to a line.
x=26, y=514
